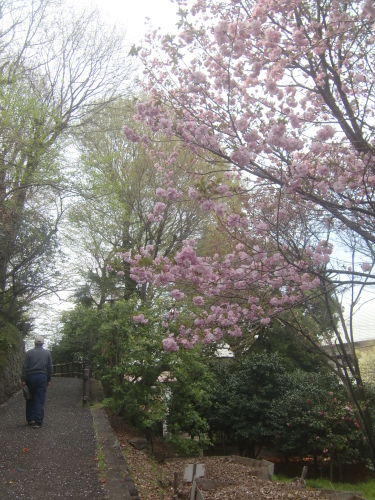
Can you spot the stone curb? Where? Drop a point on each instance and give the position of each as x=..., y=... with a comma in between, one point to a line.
x=119, y=484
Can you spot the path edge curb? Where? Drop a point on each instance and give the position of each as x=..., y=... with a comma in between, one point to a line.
x=119, y=483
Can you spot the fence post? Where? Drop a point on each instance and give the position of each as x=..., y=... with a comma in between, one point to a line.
x=86, y=381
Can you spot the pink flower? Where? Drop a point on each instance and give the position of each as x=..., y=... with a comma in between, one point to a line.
x=294, y=120
x=272, y=35
x=140, y=319
x=220, y=209
x=366, y=267
x=233, y=220
x=368, y=10
x=220, y=33
x=173, y=194
x=199, y=77
x=187, y=37
x=207, y=204
x=262, y=228
x=170, y=344
x=160, y=192
x=265, y=321
x=193, y=193
x=198, y=301
x=325, y=133
x=276, y=136
x=255, y=27
x=177, y=295
x=358, y=78
x=222, y=189
x=241, y=157
x=130, y=134
x=158, y=208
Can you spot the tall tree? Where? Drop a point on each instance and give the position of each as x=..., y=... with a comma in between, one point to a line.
x=115, y=212
x=60, y=68
x=283, y=93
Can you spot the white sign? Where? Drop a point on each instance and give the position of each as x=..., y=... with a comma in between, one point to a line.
x=189, y=472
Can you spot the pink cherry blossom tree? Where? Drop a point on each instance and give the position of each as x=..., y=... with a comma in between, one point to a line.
x=279, y=96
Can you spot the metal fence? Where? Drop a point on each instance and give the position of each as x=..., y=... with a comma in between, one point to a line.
x=75, y=369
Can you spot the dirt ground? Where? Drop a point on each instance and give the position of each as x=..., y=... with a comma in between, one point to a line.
x=154, y=477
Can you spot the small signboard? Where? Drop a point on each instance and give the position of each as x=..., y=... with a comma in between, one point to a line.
x=195, y=492
x=193, y=470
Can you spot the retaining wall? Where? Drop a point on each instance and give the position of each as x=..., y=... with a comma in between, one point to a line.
x=10, y=374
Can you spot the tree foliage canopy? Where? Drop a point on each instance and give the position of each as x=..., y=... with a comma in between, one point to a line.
x=59, y=69
x=280, y=93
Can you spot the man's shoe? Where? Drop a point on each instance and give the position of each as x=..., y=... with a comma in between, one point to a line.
x=31, y=422
x=37, y=426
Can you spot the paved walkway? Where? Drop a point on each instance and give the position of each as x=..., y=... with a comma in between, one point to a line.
x=56, y=461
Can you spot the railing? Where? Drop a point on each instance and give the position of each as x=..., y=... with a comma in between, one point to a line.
x=72, y=369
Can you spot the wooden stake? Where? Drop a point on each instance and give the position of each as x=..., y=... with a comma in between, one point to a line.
x=304, y=473
x=175, y=482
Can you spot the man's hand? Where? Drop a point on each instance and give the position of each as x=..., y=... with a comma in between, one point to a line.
x=48, y=384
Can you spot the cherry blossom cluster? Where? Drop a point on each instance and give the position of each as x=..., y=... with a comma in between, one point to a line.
x=276, y=92
x=264, y=284
x=282, y=92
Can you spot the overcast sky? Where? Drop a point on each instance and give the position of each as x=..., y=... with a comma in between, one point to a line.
x=132, y=15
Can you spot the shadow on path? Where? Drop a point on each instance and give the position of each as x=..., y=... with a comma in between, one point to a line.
x=56, y=461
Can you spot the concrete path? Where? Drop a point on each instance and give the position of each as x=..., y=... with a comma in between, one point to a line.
x=56, y=461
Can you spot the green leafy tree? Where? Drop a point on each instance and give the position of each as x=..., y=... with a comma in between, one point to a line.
x=244, y=391
x=142, y=381
x=59, y=68
x=117, y=180
x=313, y=417
x=189, y=400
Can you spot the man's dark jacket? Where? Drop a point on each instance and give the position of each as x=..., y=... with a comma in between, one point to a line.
x=37, y=360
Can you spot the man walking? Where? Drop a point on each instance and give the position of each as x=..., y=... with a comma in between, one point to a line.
x=36, y=374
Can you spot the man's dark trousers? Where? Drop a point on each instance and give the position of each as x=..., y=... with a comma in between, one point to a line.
x=37, y=383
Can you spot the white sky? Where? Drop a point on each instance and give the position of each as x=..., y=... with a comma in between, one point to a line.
x=132, y=15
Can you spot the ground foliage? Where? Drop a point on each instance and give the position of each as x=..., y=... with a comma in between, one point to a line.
x=251, y=401
x=153, y=478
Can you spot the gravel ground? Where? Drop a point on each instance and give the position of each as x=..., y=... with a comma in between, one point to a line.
x=156, y=479
x=56, y=461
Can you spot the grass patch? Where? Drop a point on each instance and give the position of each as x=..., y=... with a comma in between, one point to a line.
x=96, y=406
x=367, y=488
x=100, y=457
x=157, y=473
